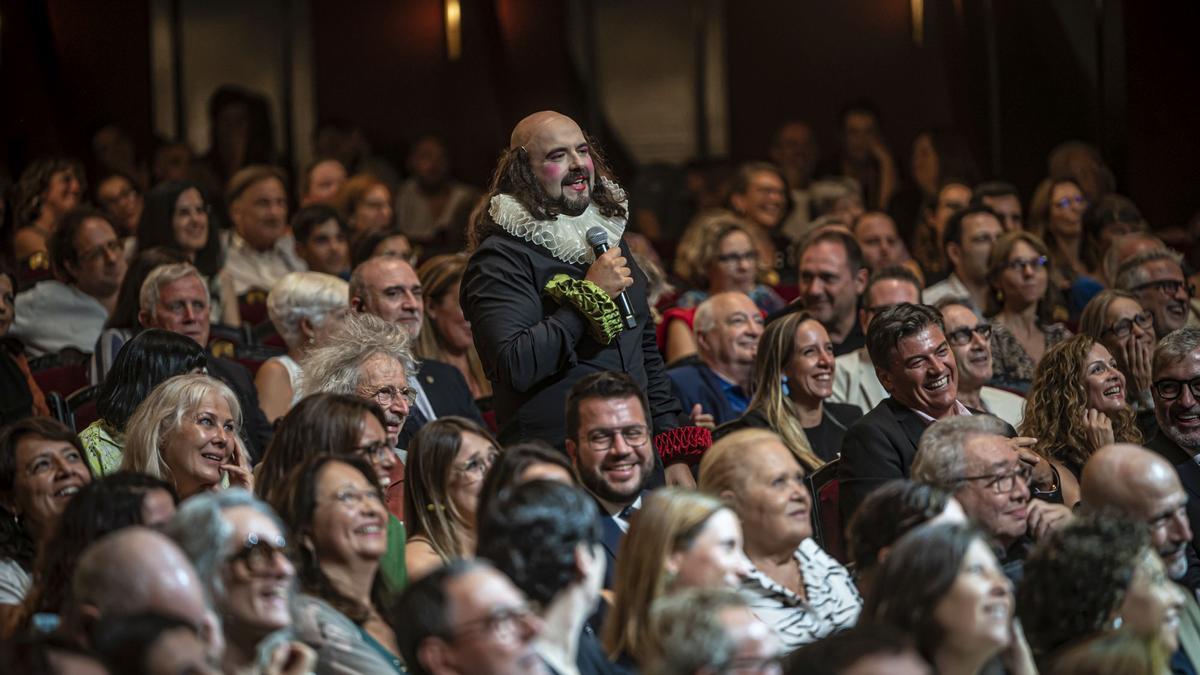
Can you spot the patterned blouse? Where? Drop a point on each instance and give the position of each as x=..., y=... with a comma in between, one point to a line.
x=1012, y=367
x=103, y=446
x=833, y=602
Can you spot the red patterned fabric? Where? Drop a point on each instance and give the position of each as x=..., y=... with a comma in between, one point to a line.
x=684, y=445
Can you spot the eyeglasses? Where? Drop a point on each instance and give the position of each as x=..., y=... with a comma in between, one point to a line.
x=1019, y=264
x=478, y=466
x=735, y=258
x=963, y=335
x=1124, y=327
x=1168, y=287
x=113, y=247
x=121, y=196
x=1067, y=201
x=1169, y=390
x=602, y=439
x=386, y=395
x=375, y=452
x=354, y=498
x=258, y=554
x=502, y=624
x=1003, y=483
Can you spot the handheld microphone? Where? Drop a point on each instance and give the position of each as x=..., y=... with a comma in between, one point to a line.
x=597, y=238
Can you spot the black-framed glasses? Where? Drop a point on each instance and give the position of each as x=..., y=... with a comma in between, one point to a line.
x=1005, y=481
x=635, y=436
x=1169, y=390
x=1124, y=327
x=1168, y=287
x=258, y=553
x=375, y=452
x=504, y=623
x=1019, y=264
x=384, y=396
x=735, y=258
x=963, y=335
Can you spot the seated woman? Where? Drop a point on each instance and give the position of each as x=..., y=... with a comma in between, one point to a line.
x=48, y=189
x=186, y=433
x=1116, y=319
x=1093, y=576
x=1077, y=405
x=521, y=463
x=145, y=362
x=343, y=426
x=447, y=462
x=237, y=545
x=390, y=241
x=1056, y=215
x=300, y=305
x=1023, y=308
x=889, y=513
x=795, y=587
x=1118, y=652
x=41, y=470
x=335, y=516
x=717, y=254
x=20, y=395
x=179, y=216
x=794, y=375
x=679, y=539
x=445, y=334
x=942, y=585
x=365, y=203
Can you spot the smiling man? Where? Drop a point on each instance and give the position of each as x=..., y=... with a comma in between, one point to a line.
x=832, y=276
x=1176, y=390
x=1156, y=279
x=727, y=328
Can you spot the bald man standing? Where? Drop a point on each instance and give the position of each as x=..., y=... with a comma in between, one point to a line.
x=1138, y=484
x=542, y=305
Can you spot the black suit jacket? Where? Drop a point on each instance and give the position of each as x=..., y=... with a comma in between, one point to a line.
x=879, y=447
x=448, y=393
x=256, y=430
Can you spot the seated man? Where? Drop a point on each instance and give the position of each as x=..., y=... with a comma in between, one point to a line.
x=727, y=327
x=447, y=624
x=1176, y=389
x=973, y=458
x=321, y=240
x=832, y=276
x=1156, y=278
x=706, y=630
x=259, y=251
x=1001, y=198
x=546, y=537
x=175, y=298
x=70, y=310
x=321, y=181
x=968, y=338
x=970, y=234
x=854, y=379
x=880, y=241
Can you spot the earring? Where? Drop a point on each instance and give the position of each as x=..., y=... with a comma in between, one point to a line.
x=1116, y=623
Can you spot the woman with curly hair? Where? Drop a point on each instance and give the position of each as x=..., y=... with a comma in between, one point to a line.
x=794, y=371
x=1076, y=406
x=48, y=189
x=1117, y=319
x=1093, y=576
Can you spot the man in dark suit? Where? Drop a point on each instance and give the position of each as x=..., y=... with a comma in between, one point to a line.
x=389, y=288
x=1176, y=389
x=727, y=328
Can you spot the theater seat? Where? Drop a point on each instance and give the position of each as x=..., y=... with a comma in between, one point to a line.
x=252, y=306
x=82, y=403
x=827, y=520
x=64, y=372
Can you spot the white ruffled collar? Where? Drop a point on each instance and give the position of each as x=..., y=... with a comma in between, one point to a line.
x=564, y=236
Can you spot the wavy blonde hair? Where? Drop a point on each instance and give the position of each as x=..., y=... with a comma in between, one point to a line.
x=701, y=241
x=1057, y=401
x=668, y=522
x=776, y=349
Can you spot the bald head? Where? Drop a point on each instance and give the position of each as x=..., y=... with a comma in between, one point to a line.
x=535, y=125
x=559, y=158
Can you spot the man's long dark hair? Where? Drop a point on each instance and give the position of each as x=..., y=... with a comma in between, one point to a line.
x=514, y=176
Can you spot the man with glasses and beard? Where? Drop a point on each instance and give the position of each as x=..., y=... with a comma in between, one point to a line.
x=1176, y=390
x=542, y=305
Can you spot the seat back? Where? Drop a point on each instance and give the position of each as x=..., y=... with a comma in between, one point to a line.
x=827, y=519
x=252, y=307
x=64, y=372
x=82, y=403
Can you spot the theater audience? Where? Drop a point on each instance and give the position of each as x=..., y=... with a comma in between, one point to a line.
x=866, y=649
x=445, y=333
x=1117, y=320
x=259, y=250
x=1003, y=199
x=710, y=630
x=794, y=150
x=1056, y=215
x=794, y=372
x=794, y=587
x=1022, y=309
x=47, y=190
x=968, y=336
x=854, y=378
x=832, y=276
x=186, y=433
x=69, y=310
x=545, y=537
x=1077, y=405
x=340, y=425
x=967, y=243
x=303, y=307
x=118, y=195
x=443, y=475
x=334, y=510
x=365, y=203
x=238, y=548
x=864, y=155
x=953, y=196
x=448, y=623
x=41, y=469
x=145, y=362
x=432, y=207
x=680, y=539
x=1085, y=165
x=886, y=515
x=942, y=585
x=320, y=181
x=322, y=240
x=179, y=216
x=1096, y=575
x=1176, y=407
x=726, y=328
x=20, y=395
x=1155, y=278
x=972, y=458
x=758, y=194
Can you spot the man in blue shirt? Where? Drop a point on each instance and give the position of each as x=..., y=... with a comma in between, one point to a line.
x=727, y=327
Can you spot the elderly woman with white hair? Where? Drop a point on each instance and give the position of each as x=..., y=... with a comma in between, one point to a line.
x=236, y=543
x=303, y=306
x=186, y=433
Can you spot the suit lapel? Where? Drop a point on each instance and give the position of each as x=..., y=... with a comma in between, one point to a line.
x=1189, y=475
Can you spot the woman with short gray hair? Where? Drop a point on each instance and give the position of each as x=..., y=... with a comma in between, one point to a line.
x=302, y=306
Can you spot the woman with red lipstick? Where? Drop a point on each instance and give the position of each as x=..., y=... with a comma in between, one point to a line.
x=795, y=368
x=1078, y=405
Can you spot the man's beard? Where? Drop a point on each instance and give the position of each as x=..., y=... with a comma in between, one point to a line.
x=571, y=205
x=595, y=484
x=1176, y=569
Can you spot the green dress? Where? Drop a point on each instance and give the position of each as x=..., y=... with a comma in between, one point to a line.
x=103, y=447
x=392, y=565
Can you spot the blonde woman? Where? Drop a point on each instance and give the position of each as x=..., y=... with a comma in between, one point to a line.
x=186, y=433
x=446, y=334
x=302, y=306
x=679, y=539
